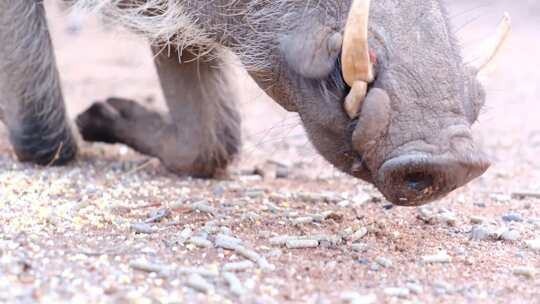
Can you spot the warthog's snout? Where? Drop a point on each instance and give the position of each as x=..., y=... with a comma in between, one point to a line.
x=415, y=179
x=435, y=156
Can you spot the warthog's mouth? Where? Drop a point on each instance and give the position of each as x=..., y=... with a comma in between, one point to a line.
x=416, y=179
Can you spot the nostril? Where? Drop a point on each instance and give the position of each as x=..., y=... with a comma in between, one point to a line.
x=418, y=181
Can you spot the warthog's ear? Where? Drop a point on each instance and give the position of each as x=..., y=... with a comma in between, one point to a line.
x=312, y=49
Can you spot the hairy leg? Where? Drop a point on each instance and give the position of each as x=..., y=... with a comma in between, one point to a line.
x=31, y=101
x=201, y=135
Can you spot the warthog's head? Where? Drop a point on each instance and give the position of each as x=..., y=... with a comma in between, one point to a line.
x=385, y=95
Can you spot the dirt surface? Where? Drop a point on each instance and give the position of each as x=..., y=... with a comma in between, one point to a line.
x=116, y=227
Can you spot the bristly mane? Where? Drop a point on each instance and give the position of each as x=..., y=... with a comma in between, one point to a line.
x=248, y=27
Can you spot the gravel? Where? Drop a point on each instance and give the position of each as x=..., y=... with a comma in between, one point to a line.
x=510, y=235
x=158, y=215
x=199, y=283
x=440, y=257
x=200, y=242
x=415, y=288
x=234, y=283
x=512, y=217
x=384, y=262
x=301, y=244
x=400, y=292
x=356, y=298
x=476, y=220
x=142, y=228
x=238, y=266
x=359, y=234
x=227, y=242
x=146, y=266
x=524, y=271
x=533, y=244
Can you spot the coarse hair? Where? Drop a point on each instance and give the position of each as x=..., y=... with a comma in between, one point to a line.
x=250, y=28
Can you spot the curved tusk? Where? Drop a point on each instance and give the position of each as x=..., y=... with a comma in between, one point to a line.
x=355, y=99
x=491, y=46
x=355, y=58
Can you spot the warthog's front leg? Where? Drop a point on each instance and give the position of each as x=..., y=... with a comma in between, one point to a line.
x=31, y=102
x=202, y=133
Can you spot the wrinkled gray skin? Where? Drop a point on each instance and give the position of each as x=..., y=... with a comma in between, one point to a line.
x=412, y=139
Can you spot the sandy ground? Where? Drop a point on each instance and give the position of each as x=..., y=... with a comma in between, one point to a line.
x=116, y=227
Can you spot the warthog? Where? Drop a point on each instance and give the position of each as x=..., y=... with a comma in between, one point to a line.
x=381, y=87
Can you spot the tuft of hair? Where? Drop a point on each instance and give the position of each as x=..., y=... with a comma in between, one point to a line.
x=163, y=22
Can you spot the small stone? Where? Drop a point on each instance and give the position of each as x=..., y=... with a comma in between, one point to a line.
x=302, y=220
x=362, y=198
x=272, y=207
x=359, y=247
x=425, y=214
x=442, y=287
x=533, y=244
x=527, y=272
x=512, y=217
x=238, y=266
x=142, y=228
x=210, y=227
x=359, y=234
x=210, y=271
x=198, y=283
x=279, y=240
x=347, y=232
x=184, y=235
x=501, y=198
x=247, y=253
x=158, y=215
x=415, y=288
x=344, y=204
x=115, y=208
x=282, y=172
x=449, y=218
x=481, y=233
x=200, y=242
x=328, y=197
x=225, y=230
x=203, y=206
x=480, y=204
x=218, y=190
x=234, y=283
x=384, y=262
x=254, y=193
x=274, y=253
x=250, y=217
x=227, y=242
x=146, y=266
x=535, y=222
x=278, y=197
x=356, y=298
x=441, y=257
x=326, y=240
x=476, y=220
x=202, y=271
x=300, y=244
x=510, y=235
x=397, y=292
x=250, y=178
x=264, y=265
